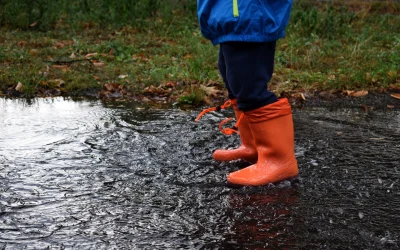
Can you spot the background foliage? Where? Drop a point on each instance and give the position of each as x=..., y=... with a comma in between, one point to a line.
x=45, y=14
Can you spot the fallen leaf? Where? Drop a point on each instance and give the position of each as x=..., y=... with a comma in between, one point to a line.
x=104, y=93
x=56, y=82
x=57, y=66
x=99, y=64
x=394, y=87
x=122, y=91
x=207, y=100
x=212, y=83
x=72, y=56
x=211, y=91
x=20, y=87
x=33, y=52
x=167, y=85
x=359, y=93
x=122, y=76
x=349, y=92
x=171, y=84
x=397, y=96
x=59, y=45
x=91, y=55
x=141, y=57
x=151, y=90
x=111, y=87
x=33, y=24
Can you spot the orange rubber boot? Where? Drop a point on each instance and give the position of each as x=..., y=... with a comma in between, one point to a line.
x=247, y=150
x=272, y=127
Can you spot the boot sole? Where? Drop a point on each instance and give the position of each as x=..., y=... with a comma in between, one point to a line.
x=294, y=179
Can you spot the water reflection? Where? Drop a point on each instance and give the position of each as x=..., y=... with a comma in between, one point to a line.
x=263, y=219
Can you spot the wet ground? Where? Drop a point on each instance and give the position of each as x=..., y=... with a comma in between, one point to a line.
x=94, y=175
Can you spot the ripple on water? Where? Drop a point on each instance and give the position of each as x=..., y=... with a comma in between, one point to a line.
x=87, y=174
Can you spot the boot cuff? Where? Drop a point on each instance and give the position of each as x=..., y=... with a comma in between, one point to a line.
x=270, y=111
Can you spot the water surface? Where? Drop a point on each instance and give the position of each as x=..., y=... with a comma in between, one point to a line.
x=108, y=175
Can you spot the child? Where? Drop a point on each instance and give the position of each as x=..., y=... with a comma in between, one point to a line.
x=247, y=31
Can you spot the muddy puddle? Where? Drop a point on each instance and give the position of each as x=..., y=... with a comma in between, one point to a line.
x=95, y=175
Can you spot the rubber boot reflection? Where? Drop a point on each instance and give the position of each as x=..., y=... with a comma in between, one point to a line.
x=264, y=220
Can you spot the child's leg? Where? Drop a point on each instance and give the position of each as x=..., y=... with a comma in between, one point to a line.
x=248, y=68
x=222, y=70
x=247, y=149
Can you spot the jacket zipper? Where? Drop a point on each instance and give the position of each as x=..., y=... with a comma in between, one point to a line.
x=235, y=8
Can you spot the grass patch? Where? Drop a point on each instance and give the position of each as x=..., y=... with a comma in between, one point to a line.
x=331, y=45
x=342, y=45
x=195, y=96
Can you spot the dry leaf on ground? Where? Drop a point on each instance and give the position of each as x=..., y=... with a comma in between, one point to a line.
x=151, y=90
x=20, y=87
x=99, y=64
x=33, y=52
x=397, y=96
x=211, y=91
x=59, y=45
x=359, y=93
x=169, y=84
x=91, y=55
x=57, y=66
x=111, y=87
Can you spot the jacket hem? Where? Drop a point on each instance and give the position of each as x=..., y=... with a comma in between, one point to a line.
x=247, y=38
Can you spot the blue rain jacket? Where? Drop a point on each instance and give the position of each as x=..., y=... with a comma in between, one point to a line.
x=243, y=20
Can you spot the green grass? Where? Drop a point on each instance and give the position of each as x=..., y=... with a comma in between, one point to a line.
x=342, y=46
x=329, y=46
